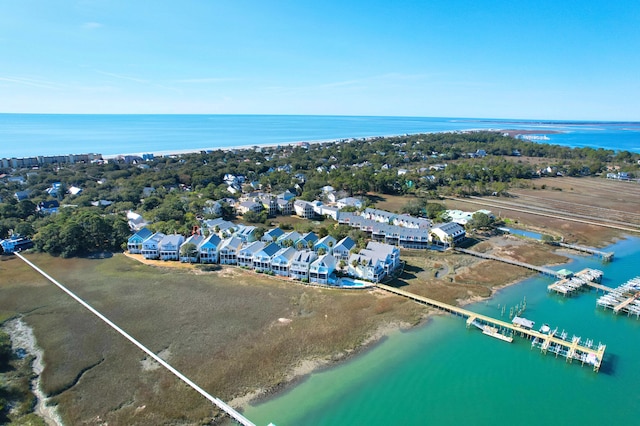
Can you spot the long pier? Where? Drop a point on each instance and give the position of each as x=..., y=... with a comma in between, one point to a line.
x=547, y=342
x=605, y=255
x=542, y=269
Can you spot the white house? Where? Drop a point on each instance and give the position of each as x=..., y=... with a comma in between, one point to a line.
x=300, y=265
x=349, y=202
x=169, y=247
x=150, y=248
x=196, y=240
x=245, y=254
x=321, y=269
x=228, y=251
x=304, y=209
x=447, y=234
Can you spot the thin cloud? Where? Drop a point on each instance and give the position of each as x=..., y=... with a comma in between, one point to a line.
x=31, y=82
x=92, y=25
x=206, y=80
x=123, y=77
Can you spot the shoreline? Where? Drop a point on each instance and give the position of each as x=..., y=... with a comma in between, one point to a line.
x=22, y=337
x=306, y=368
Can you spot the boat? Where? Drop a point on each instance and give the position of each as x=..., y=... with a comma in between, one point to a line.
x=545, y=329
x=493, y=332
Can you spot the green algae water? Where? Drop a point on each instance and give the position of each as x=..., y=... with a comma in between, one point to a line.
x=444, y=374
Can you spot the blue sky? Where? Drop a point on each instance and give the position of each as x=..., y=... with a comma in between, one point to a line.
x=495, y=59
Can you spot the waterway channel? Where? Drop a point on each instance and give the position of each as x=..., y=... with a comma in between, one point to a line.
x=443, y=373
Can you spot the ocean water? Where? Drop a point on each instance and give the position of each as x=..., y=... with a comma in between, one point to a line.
x=445, y=374
x=25, y=135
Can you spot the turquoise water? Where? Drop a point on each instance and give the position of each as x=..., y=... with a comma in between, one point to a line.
x=24, y=135
x=523, y=233
x=445, y=374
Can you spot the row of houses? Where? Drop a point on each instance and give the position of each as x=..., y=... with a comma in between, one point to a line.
x=442, y=235
x=309, y=258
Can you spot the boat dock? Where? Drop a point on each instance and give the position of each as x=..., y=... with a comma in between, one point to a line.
x=625, y=298
x=585, y=278
x=570, y=349
x=541, y=269
x=605, y=255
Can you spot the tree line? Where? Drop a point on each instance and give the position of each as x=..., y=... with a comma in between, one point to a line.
x=171, y=192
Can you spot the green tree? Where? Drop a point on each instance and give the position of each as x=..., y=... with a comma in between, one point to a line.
x=189, y=250
x=434, y=210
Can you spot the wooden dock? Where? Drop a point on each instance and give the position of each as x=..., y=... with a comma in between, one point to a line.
x=569, y=349
x=585, y=278
x=625, y=298
x=605, y=255
x=540, y=269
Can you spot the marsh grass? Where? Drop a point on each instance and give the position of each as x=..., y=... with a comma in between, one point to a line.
x=220, y=329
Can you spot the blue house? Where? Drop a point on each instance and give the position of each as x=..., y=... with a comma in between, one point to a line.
x=134, y=244
x=281, y=261
x=208, y=249
x=342, y=249
x=326, y=243
x=262, y=258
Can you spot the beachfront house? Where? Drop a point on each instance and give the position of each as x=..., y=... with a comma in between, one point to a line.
x=321, y=269
x=169, y=247
x=134, y=243
x=306, y=241
x=447, y=234
x=282, y=260
x=288, y=239
x=365, y=265
x=208, y=249
x=150, y=249
x=262, y=258
x=342, y=249
x=228, y=251
x=272, y=235
x=222, y=227
x=189, y=250
x=245, y=254
x=249, y=206
x=285, y=207
x=326, y=243
x=349, y=202
x=299, y=269
x=304, y=209
x=16, y=243
x=388, y=254
x=246, y=233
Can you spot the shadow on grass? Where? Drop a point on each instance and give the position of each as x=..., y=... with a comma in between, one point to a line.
x=413, y=268
x=99, y=255
x=397, y=283
x=375, y=198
